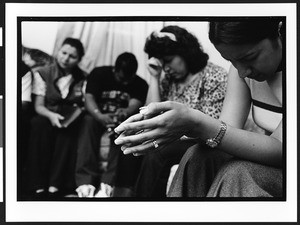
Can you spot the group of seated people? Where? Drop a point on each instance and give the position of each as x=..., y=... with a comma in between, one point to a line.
x=192, y=113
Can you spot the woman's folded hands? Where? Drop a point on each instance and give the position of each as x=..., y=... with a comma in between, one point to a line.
x=154, y=127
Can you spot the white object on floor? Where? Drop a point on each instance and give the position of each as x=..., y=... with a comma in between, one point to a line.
x=52, y=189
x=105, y=191
x=85, y=191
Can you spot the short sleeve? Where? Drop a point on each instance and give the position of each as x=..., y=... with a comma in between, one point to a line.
x=139, y=90
x=27, y=87
x=92, y=85
x=39, y=85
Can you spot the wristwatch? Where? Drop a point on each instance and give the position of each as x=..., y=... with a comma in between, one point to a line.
x=214, y=142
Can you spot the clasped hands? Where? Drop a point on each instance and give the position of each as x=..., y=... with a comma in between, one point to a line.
x=161, y=123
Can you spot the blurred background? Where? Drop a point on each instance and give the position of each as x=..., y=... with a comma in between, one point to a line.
x=104, y=41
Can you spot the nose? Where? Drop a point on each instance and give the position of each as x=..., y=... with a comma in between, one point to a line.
x=243, y=70
x=65, y=58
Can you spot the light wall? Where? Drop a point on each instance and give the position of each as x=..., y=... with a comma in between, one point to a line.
x=200, y=30
x=40, y=35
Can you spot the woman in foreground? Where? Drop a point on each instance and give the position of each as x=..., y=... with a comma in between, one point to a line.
x=254, y=47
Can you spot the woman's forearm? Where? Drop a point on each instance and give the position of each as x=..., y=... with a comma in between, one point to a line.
x=153, y=94
x=43, y=111
x=240, y=143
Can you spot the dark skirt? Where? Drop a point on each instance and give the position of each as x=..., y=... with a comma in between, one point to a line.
x=51, y=155
x=196, y=171
x=205, y=172
x=239, y=178
x=155, y=169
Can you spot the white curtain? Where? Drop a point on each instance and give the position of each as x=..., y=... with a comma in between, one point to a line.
x=104, y=41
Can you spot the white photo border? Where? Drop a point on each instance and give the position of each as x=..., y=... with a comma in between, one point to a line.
x=139, y=211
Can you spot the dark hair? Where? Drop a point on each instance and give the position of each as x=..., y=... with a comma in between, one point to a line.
x=127, y=63
x=245, y=31
x=76, y=43
x=186, y=46
x=41, y=58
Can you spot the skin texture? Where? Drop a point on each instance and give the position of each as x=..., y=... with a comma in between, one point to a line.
x=175, y=67
x=67, y=57
x=253, y=60
x=168, y=121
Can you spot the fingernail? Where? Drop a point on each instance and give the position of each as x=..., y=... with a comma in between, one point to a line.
x=118, y=141
x=144, y=110
x=126, y=152
x=123, y=147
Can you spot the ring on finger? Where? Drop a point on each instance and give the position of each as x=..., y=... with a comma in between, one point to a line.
x=155, y=144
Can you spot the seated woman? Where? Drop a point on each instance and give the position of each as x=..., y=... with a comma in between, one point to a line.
x=52, y=146
x=188, y=78
x=254, y=47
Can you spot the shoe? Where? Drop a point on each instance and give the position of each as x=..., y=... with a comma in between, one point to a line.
x=105, y=191
x=40, y=194
x=54, y=193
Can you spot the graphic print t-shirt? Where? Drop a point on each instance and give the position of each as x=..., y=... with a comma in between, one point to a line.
x=111, y=95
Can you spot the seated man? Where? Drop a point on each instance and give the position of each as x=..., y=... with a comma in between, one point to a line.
x=111, y=93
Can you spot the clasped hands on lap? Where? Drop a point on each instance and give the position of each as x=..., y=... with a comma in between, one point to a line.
x=162, y=122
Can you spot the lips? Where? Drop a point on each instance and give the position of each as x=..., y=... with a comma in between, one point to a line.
x=63, y=65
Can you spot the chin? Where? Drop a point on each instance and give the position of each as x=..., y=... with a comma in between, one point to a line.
x=259, y=78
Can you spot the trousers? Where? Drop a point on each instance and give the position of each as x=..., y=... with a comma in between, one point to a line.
x=155, y=169
x=52, y=155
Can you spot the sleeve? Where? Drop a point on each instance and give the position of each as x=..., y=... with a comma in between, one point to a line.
x=214, y=92
x=140, y=90
x=39, y=85
x=92, y=85
x=27, y=86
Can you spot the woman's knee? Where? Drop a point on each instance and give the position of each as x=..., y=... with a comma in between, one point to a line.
x=201, y=154
x=239, y=178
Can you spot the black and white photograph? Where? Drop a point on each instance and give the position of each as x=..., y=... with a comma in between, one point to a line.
x=150, y=112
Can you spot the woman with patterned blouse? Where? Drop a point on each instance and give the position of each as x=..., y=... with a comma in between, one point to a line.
x=180, y=72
